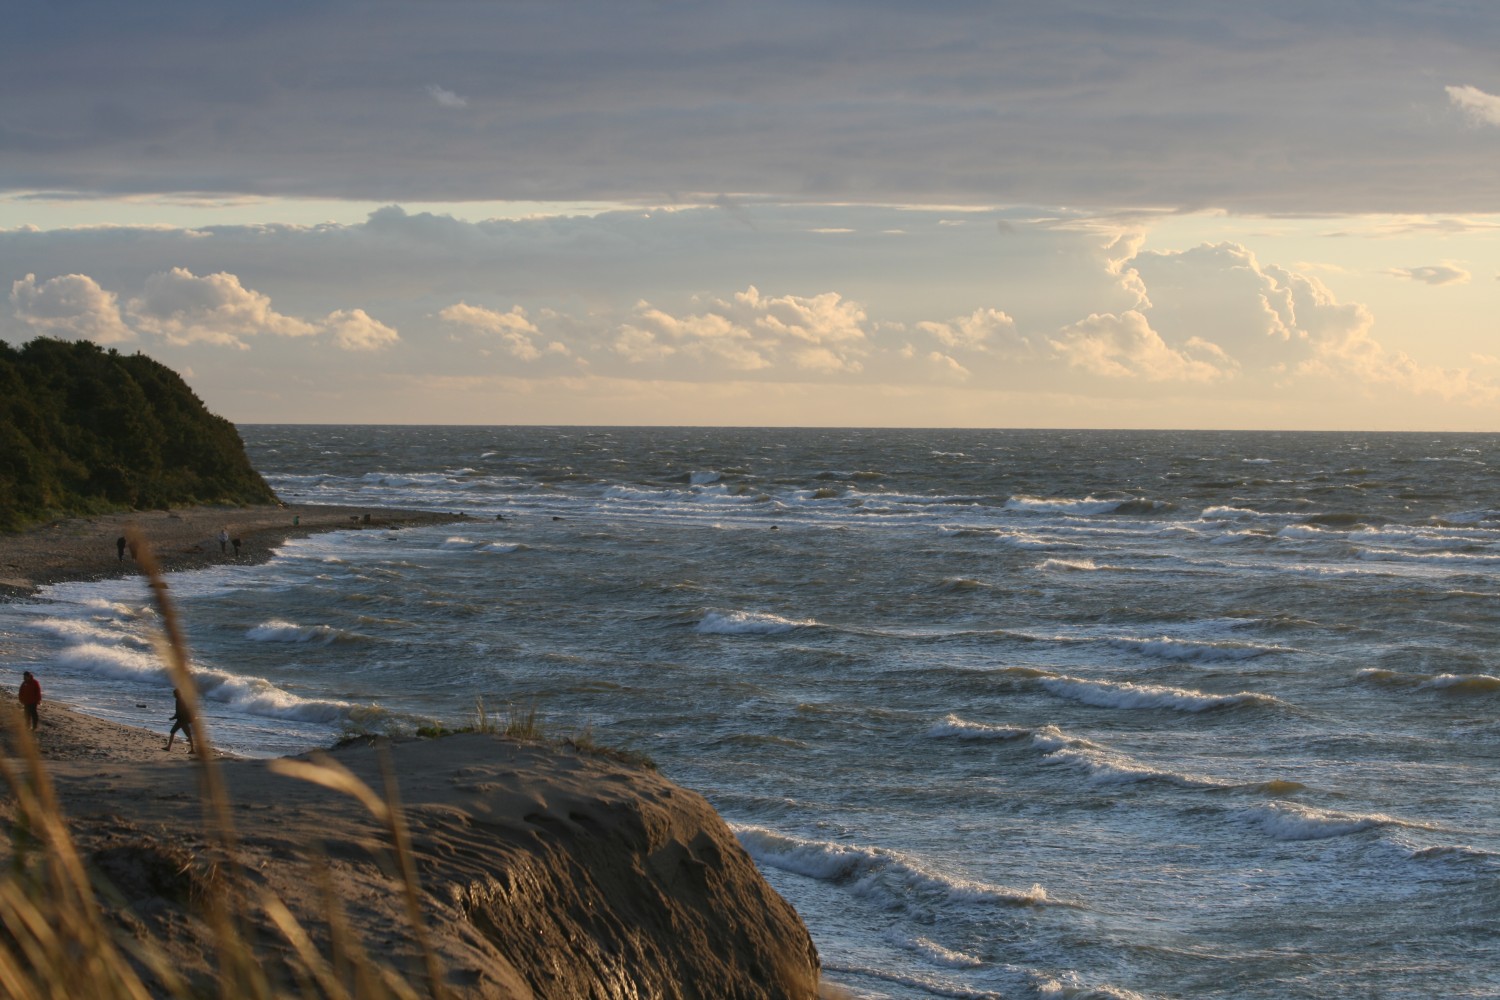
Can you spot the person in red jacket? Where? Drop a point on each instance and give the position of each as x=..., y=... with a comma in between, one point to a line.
x=30, y=697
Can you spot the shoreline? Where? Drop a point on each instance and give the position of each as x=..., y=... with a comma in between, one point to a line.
x=183, y=538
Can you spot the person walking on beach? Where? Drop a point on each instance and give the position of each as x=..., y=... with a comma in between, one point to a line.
x=120, y=547
x=181, y=719
x=236, y=543
x=223, y=540
x=30, y=697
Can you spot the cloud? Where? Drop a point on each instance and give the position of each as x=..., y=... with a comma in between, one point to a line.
x=445, y=98
x=1436, y=274
x=354, y=330
x=983, y=330
x=943, y=104
x=180, y=308
x=70, y=306
x=214, y=309
x=750, y=331
x=1481, y=108
x=1125, y=346
x=516, y=332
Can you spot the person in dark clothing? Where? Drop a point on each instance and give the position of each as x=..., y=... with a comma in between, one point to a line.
x=236, y=543
x=120, y=547
x=30, y=696
x=181, y=719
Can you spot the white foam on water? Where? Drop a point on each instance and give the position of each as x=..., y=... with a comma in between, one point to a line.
x=1128, y=695
x=953, y=727
x=250, y=695
x=1107, y=767
x=1291, y=821
x=932, y=952
x=1074, y=565
x=1188, y=650
x=1454, y=683
x=284, y=631
x=1069, y=986
x=873, y=871
x=748, y=623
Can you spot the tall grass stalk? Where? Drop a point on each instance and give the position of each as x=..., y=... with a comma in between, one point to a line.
x=58, y=945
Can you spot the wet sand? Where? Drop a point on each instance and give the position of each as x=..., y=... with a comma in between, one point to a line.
x=85, y=548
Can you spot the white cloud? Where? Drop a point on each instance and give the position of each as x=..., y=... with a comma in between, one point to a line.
x=71, y=306
x=982, y=330
x=516, y=332
x=445, y=98
x=214, y=309
x=1434, y=274
x=355, y=330
x=1125, y=346
x=1481, y=107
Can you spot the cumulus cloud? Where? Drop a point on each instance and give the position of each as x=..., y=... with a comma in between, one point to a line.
x=1481, y=108
x=355, y=330
x=70, y=306
x=184, y=308
x=445, y=98
x=1435, y=274
x=982, y=330
x=1125, y=346
x=515, y=331
x=750, y=331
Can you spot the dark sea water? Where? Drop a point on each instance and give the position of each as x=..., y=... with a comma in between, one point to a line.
x=1002, y=713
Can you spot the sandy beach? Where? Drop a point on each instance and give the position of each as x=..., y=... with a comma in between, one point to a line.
x=86, y=548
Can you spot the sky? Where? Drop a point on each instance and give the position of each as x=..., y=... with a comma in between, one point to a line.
x=947, y=213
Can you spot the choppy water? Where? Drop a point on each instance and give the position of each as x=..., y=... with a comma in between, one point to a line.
x=1002, y=713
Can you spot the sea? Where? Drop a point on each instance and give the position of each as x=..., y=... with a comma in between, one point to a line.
x=1002, y=713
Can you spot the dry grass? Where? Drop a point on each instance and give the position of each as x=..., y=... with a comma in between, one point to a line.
x=57, y=944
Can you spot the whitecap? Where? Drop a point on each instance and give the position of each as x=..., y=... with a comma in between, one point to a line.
x=1128, y=695
x=953, y=727
x=874, y=871
x=748, y=623
x=1290, y=821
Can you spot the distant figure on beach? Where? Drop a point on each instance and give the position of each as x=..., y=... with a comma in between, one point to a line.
x=236, y=543
x=120, y=547
x=181, y=719
x=30, y=697
x=223, y=539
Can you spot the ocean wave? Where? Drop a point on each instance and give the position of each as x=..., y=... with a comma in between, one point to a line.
x=249, y=695
x=1456, y=683
x=932, y=952
x=1086, y=506
x=874, y=871
x=1070, y=987
x=1124, y=694
x=1290, y=821
x=1189, y=650
x=284, y=631
x=748, y=623
x=953, y=727
x=1108, y=767
x=81, y=630
x=1075, y=565
x=959, y=584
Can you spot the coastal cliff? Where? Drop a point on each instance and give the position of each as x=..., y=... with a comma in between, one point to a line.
x=84, y=430
x=544, y=873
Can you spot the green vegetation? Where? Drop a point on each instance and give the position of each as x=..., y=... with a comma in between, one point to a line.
x=84, y=430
